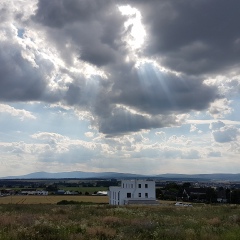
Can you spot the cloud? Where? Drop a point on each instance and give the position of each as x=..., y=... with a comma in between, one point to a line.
x=52, y=48
x=161, y=135
x=191, y=154
x=195, y=37
x=154, y=91
x=92, y=29
x=89, y=134
x=122, y=121
x=193, y=128
x=50, y=137
x=225, y=134
x=216, y=125
x=20, y=81
x=222, y=133
x=220, y=108
x=112, y=86
x=214, y=154
x=20, y=113
x=213, y=123
x=234, y=147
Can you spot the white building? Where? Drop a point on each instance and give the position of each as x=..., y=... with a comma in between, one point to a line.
x=34, y=192
x=133, y=192
x=42, y=192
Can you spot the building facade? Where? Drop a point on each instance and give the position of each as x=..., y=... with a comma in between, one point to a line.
x=133, y=192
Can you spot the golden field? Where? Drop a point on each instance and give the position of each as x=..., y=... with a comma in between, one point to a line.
x=51, y=199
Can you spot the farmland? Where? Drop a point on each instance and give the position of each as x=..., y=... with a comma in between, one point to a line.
x=51, y=199
x=101, y=221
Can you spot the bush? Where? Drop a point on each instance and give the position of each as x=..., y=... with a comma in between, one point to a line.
x=71, y=202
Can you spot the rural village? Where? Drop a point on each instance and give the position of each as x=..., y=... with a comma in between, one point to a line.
x=195, y=192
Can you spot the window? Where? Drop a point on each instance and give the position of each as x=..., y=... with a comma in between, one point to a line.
x=123, y=185
x=139, y=185
x=146, y=185
x=146, y=195
x=139, y=195
x=129, y=195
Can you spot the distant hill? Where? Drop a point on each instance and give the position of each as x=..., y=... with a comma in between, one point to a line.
x=75, y=174
x=204, y=177
x=108, y=175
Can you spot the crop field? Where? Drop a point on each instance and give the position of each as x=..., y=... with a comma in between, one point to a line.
x=102, y=221
x=90, y=190
x=51, y=199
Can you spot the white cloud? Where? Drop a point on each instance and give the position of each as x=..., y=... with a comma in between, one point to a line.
x=224, y=133
x=214, y=154
x=89, y=134
x=161, y=135
x=20, y=113
x=193, y=128
x=219, y=108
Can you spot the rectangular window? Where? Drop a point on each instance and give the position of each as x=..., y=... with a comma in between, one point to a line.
x=128, y=195
x=123, y=185
x=146, y=195
x=139, y=195
x=146, y=185
x=139, y=185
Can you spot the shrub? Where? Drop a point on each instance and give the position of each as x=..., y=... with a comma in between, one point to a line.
x=71, y=202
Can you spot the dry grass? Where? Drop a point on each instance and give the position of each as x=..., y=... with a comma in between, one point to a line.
x=214, y=221
x=101, y=232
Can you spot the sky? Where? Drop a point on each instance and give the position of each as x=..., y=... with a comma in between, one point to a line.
x=146, y=87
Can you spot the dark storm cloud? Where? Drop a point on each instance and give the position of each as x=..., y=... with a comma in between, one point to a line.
x=93, y=29
x=19, y=80
x=193, y=36
x=3, y=14
x=57, y=13
x=156, y=92
x=122, y=122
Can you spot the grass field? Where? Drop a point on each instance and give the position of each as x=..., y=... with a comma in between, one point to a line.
x=76, y=222
x=51, y=199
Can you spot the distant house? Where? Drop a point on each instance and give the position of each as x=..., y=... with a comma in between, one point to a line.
x=41, y=192
x=7, y=192
x=133, y=192
x=60, y=192
x=70, y=193
x=100, y=193
x=28, y=191
x=33, y=191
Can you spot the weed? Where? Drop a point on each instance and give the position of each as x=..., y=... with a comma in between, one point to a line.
x=101, y=233
x=80, y=221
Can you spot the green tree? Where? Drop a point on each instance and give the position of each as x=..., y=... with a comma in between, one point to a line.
x=159, y=193
x=235, y=196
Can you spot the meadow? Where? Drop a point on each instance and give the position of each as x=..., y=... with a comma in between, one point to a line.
x=102, y=221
